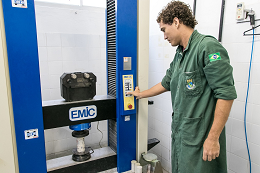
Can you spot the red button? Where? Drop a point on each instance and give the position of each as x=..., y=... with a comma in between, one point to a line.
x=130, y=106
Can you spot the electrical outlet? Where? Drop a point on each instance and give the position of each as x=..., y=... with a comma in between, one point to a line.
x=240, y=11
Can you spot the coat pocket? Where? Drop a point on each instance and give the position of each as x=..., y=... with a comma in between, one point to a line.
x=192, y=83
x=193, y=131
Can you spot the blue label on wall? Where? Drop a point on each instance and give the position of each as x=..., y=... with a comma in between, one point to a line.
x=82, y=113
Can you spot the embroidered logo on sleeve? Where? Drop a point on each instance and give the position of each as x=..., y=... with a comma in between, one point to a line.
x=190, y=85
x=214, y=57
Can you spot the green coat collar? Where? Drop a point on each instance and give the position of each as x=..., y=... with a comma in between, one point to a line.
x=193, y=36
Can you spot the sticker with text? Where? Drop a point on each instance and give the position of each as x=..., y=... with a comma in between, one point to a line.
x=31, y=134
x=19, y=3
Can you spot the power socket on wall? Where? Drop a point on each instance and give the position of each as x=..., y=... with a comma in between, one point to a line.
x=240, y=11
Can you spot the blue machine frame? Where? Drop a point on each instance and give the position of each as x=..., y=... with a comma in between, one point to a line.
x=22, y=50
x=126, y=46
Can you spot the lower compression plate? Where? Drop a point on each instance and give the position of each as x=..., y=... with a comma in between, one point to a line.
x=82, y=156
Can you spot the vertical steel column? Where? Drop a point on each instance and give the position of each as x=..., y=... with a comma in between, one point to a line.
x=122, y=42
x=22, y=50
x=126, y=46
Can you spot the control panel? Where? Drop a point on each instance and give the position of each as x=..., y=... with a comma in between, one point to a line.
x=240, y=11
x=128, y=87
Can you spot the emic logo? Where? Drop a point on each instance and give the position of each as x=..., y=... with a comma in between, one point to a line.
x=82, y=113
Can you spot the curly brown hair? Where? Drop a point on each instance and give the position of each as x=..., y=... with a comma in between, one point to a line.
x=177, y=9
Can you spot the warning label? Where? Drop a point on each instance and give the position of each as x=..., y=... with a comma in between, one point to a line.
x=30, y=134
x=19, y=3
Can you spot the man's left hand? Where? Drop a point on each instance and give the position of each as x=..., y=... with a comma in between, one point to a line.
x=211, y=149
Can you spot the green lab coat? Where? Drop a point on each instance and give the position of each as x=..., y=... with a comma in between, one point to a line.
x=197, y=77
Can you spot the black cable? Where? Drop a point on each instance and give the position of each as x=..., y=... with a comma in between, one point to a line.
x=101, y=133
x=194, y=7
x=221, y=21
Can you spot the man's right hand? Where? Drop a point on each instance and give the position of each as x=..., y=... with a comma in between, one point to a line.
x=136, y=93
x=155, y=90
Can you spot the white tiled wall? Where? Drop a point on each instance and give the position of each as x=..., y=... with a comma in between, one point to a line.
x=239, y=49
x=160, y=57
x=69, y=41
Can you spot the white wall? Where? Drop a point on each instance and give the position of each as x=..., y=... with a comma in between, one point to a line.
x=142, y=80
x=239, y=49
x=159, y=114
x=70, y=38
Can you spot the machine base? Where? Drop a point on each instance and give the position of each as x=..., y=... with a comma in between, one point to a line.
x=102, y=159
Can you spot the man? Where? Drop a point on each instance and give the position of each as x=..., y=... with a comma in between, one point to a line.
x=202, y=91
